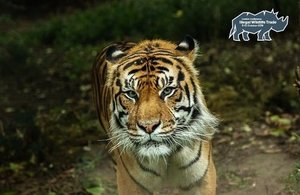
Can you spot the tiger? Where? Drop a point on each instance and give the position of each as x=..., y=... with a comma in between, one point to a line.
x=149, y=101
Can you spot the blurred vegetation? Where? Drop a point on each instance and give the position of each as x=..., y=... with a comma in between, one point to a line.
x=293, y=181
x=45, y=104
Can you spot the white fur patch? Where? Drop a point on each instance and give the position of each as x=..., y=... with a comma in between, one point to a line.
x=117, y=53
x=184, y=45
x=154, y=151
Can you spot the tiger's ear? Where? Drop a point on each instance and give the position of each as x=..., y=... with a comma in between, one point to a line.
x=189, y=47
x=113, y=54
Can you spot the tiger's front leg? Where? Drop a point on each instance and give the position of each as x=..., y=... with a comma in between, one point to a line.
x=127, y=181
x=127, y=185
x=207, y=186
x=200, y=177
x=209, y=183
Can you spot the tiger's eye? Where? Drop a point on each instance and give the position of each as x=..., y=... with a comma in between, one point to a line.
x=131, y=94
x=167, y=91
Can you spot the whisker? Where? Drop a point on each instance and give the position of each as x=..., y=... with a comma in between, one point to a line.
x=104, y=140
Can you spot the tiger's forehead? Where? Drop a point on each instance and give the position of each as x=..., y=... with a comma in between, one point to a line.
x=151, y=46
x=149, y=66
x=155, y=62
x=149, y=72
x=152, y=54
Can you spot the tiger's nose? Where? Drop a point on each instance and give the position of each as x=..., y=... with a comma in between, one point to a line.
x=148, y=127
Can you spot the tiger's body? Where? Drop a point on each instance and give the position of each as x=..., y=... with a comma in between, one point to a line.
x=149, y=101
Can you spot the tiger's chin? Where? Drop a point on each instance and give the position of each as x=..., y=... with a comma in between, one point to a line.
x=154, y=150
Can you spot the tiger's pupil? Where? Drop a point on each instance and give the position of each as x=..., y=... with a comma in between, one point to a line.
x=131, y=94
x=167, y=91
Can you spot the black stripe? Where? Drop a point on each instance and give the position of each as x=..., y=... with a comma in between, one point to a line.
x=122, y=114
x=179, y=98
x=196, y=112
x=114, y=105
x=163, y=53
x=119, y=124
x=149, y=48
x=126, y=83
x=179, y=61
x=151, y=68
x=195, y=92
x=184, y=108
x=164, y=60
x=146, y=169
x=180, y=76
x=199, y=180
x=195, y=98
x=133, y=179
x=128, y=65
x=178, y=149
x=134, y=71
x=135, y=55
x=194, y=160
x=144, y=68
x=118, y=83
x=186, y=88
x=162, y=68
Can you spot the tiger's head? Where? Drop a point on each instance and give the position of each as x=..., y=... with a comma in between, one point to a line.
x=157, y=104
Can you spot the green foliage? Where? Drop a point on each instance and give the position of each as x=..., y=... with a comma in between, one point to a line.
x=293, y=181
x=95, y=190
x=5, y=19
x=85, y=169
x=115, y=20
x=14, y=53
x=250, y=80
x=135, y=20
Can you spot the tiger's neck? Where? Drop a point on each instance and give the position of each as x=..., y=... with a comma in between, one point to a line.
x=188, y=163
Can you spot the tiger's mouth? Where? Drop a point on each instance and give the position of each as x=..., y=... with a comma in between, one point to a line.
x=152, y=142
x=154, y=149
x=148, y=141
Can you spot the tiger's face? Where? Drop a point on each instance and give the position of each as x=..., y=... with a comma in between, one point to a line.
x=157, y=103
